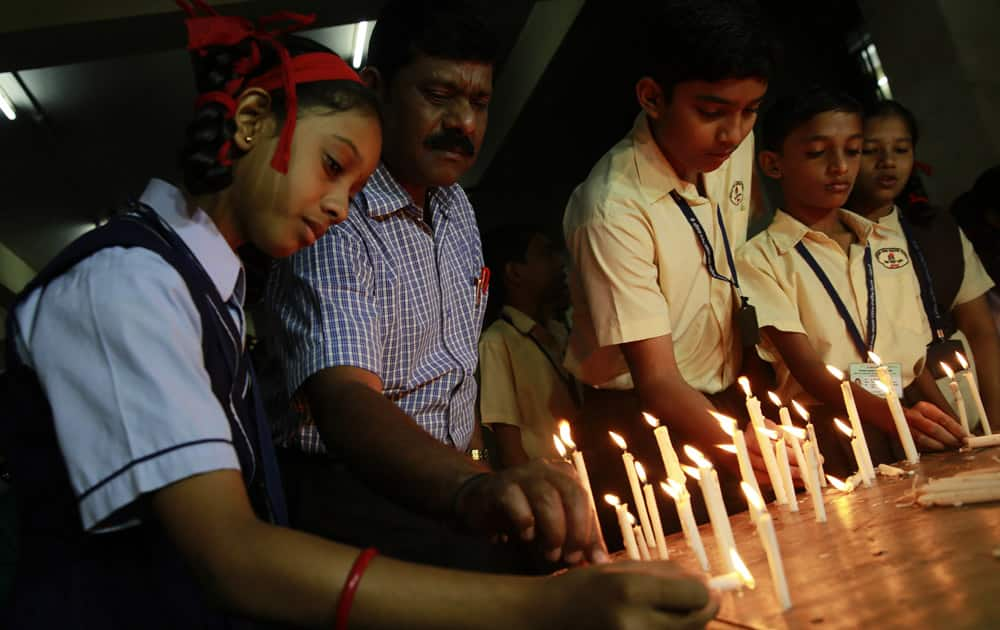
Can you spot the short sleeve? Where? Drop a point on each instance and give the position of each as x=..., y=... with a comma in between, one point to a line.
x=615, y=257
x=975, y=281
x=116, y=344
x=498, y=399
x=774, y=303
x=327, y=309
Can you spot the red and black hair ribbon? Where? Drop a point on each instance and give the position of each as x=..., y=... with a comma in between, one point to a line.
x=211, y=29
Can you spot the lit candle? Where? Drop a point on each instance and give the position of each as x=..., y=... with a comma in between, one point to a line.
x=856, y=447
x=903, y=429
x=736, y=578
x=956, y=392
x=682, y=500
x=852, y=415
x=757, y=418
x=970, y=379
x=671, y=464
x=633, y=482
x=786, y=421
x=846, y=488
x=769, y=540
x=983, y=441
x=786, y=473
x=739, y=448
x=708, y=481
x=581, y=466
x=811, y=431
x=628, y=536
x=814, y=491
x=654, y=514
x=795, y=436
x=881, y=369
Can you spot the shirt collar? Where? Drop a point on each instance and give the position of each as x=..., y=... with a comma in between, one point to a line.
x=523, y=323
x=384, y=195
x=657, y=177
x=786, y=231
x=199, y=233
x=890, y=222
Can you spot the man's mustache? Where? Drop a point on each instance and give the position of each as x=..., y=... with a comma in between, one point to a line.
x=451, y=140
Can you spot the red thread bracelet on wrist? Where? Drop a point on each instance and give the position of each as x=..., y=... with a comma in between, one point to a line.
x=351, y=587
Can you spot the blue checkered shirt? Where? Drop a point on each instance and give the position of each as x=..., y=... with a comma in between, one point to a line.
x=384, y=292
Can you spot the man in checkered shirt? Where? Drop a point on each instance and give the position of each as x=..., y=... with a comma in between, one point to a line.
x=378, y=327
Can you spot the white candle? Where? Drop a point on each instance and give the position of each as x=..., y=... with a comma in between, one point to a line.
x=654, y=517
x=983, y=441
x=682, y=500
x=786, y=473
x=795, y=436
x=671, y=464
x=970, y=379
x=811, y=432
x=633, y=481
x=643, y=548
x=757, y=419
x=769, y=540
x=814, y=492
x=628, y=536
x=852, y=415
x=708, y=481
x=580, y=465
x=739, y=447
x=902, y=428
x=956, y=393
x=734, y=580
x=856, y=448
x=786, y=421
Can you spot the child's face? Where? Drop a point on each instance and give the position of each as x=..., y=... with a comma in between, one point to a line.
x=886, y=161
x=818, y=162
x=701, y=123
x=332, y=156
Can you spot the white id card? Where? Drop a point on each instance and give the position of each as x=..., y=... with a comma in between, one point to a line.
x=866, y=376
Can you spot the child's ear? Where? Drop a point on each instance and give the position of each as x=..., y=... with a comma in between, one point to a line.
x=374, y=80
x=254, y=118
x=770, y=164
x=650, y=96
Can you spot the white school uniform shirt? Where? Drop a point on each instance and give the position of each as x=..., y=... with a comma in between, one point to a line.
x=116, y=343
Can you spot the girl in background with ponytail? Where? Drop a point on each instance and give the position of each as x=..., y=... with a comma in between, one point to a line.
x=952, y=279
x=148, y=494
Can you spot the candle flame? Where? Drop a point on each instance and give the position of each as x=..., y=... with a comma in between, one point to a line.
x=874, y=358
x=729, y=448
x=566, y=435
x=745, y=384
x=882, y=386
x=675, y=493
x=752, y=497
x=742, y=569
x=771, y=434
x=947, y=370
x=962, y=361
x=728, y=424
x=652, y=420
x=795, y=432
x=774, y=398
x=641, y=471
x=838, y=484
x=696, y=456
x=846, y=430
x=560, y=447
x=799, y=409
x=612, y=499
x=837, y=373
x=619, y=440
x=692, y=472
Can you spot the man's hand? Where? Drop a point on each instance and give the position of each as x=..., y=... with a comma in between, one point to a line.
x=540, y=500
x=933, y=429
x=624, y=595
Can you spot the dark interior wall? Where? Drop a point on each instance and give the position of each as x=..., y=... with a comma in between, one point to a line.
x=585, y=101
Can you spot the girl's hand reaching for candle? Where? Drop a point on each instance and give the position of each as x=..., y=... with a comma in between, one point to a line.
x=623, y=595
x=933, y=429
x=757, y=459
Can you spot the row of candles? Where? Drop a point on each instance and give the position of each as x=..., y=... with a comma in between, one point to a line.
x=645, y=539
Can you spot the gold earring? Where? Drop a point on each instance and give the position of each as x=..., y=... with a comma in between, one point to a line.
x=248, y=139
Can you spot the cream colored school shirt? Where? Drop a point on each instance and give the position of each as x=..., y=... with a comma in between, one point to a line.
x=638, y=270
x=790, y=297
x=520, y=385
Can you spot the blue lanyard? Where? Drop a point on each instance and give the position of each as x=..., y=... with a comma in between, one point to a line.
x=863, y=346
x=927, y=295
x=699, y=232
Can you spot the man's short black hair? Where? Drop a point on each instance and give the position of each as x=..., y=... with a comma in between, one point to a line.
x=447, y=29
x=793, y=110
x=707, y=40
x=502, y=245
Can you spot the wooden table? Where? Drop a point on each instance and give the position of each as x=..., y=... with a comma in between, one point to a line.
x=878, y=562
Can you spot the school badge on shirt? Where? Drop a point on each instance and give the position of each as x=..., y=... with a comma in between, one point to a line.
x=892, y=257
x=736, y=193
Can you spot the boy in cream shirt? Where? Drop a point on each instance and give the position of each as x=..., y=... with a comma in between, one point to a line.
x=814, y=254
